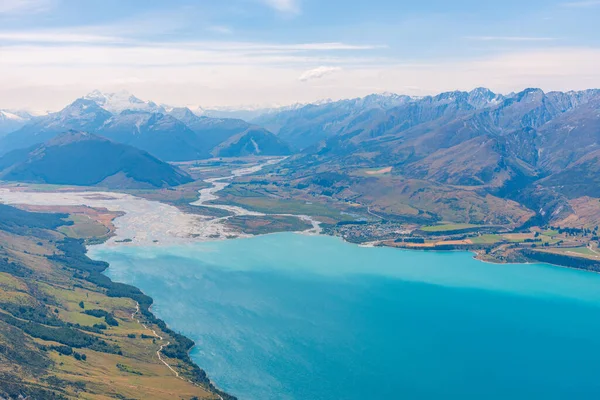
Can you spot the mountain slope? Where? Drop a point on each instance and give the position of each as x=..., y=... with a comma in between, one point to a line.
x=116, y=103
x=305, y=126
x=161, y=135
x=539, y=149
x=252, y=142
x=227, y=137
x=78, y=158
x=11, y=121
x=177, y=135
x=81, y=115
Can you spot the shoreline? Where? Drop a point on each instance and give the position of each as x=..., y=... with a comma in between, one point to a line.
x=146, y=311
x=161, y=224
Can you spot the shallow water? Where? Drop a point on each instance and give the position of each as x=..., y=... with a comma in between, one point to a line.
x=291, y=316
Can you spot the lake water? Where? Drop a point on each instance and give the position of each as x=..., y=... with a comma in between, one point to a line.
x=291, y=316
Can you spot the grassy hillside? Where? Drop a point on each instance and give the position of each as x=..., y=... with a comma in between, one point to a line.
x=68, y=332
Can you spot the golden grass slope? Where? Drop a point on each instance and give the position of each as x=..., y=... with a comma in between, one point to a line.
x=30, y=367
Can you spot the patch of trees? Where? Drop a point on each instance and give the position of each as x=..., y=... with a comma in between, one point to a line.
x=74, y=256
x=418, y=240
x=573, y=231
x=64, y=350
x=328, y=179
x=108, y=317
x=37, y=314
x=13, y=350
x=13, y=387
x=128, y=369
x=476, y=229
x=342, y=223
x=13, y=268
x=65, y=335
x=563, y=260
x=14, y=220
x=61, y=383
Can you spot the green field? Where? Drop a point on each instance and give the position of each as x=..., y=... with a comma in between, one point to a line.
x=576, y=251
x=448, y=227
x=487, y=239
x=242, y=196
x=84, y=227
x=268, y=224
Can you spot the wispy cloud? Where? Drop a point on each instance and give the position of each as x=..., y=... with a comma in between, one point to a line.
x=317, y=73
x=175, y=76
x=249, y=46
x=86, y=35
x=511, y=38
x=582, y=4
x=220, y=29
x=55, y=36
x=284, y=6
x=70, y=52
x=25, y=6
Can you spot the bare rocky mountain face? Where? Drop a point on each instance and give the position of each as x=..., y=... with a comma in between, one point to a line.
x=466, y=151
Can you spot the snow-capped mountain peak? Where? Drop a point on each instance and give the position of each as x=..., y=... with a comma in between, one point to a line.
x=120, y=101
x=7, y=115
x=12, y=120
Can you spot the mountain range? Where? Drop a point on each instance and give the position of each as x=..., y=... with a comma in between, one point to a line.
x=475, y=156
x=79, y=158
x=457, y=156
x=11, y=120
x=126, y=119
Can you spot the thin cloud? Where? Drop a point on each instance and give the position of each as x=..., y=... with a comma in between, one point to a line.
x=284, y=6
x=318, y=73
x=582, y=4
x=35, y=83
x=511, y=38
x=25, y=6
x=56, y=37
x=220, y=29
x=87, y=35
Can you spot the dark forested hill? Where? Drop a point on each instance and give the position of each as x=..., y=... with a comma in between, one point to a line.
x=78, y=158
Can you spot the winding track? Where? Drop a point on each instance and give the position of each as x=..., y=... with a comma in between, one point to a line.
x=162, y=346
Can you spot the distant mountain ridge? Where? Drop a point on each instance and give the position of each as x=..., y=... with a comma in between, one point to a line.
x=12, y=120
x=124, y=118
x=465, y=155
x=385, y=113
x=116, y=103
x=536, y=148
x=79, y=158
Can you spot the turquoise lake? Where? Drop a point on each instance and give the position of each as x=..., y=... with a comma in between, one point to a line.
x=290, y=316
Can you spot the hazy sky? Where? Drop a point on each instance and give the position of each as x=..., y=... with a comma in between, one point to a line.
x=240, y=52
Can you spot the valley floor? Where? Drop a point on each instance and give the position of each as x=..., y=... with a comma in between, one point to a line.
x=222, y=204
